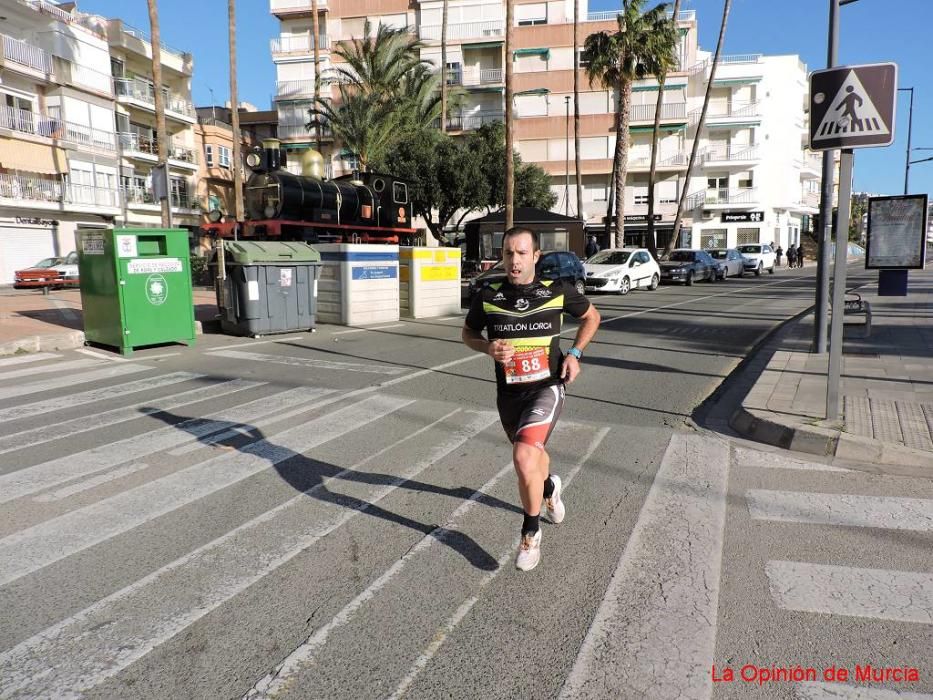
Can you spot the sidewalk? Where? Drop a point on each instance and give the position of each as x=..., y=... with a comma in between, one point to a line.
x=886, y=387
x=31, y=321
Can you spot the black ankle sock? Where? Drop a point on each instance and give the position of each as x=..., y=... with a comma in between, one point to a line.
x=548, y=487
x=530, y=524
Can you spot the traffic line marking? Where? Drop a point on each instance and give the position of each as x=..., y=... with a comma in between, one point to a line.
x=841, y=691
x=654, y=634
x=82, y=378
x=68, y=366
x=101, y=355
x=745, y=457
x=847, y=510
x=257, y=341
x=308, y=362
x=879, y=594
x=23, y=359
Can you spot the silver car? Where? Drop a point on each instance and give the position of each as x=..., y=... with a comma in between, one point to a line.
x=731, y=262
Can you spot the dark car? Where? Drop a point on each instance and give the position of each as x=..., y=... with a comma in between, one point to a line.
x=688, y=266
x=731, y=262
x=553, y=265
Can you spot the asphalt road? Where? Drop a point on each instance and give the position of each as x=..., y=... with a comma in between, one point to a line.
x=334, y=515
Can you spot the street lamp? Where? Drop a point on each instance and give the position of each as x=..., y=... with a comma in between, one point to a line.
x=910, y=124
x=567, y=156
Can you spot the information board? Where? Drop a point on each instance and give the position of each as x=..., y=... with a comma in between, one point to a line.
x=896, y=236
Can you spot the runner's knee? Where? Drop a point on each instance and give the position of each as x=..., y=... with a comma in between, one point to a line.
x=525, y=457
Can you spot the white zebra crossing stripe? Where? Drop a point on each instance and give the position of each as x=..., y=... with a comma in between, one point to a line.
x=24, y=359
x=30, y=550
x=880, y=594
x=309, y=363
x=63, y=402
x=96, y=421
x=34, y=371
x=654, y=633
x=841, y=691
x=84, y=650
x=745, y=457
x=841, y=509
x=108, y=372
x=58, y=471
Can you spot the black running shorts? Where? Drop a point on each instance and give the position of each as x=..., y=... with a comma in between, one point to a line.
x=530, y=417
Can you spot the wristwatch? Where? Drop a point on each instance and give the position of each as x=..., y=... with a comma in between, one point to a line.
x=575, y=352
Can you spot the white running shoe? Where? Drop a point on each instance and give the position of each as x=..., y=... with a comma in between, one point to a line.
x=529, y=552
x=554, y=505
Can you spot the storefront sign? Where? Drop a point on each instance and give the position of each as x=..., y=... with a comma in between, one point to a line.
x=33, y=221
x=738, y=217
x=639, y=218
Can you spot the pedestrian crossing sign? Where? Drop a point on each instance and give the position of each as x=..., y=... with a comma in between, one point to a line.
x=852, y=106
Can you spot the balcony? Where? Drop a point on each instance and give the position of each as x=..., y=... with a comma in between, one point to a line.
x=717, y=156
x=678, y=161
x=136, y=196
x=471, y=122
x=472, y=76
x=146, y=148
x=669, y=112
x=287, y=7
x=70, y=73
x=683, y=16
x=297, y=44
x=494, y=29
x=811, y=167
x=24, y=58
x=29, y=188
x=301, y=89
x=35, y=124
x=90, y=196
x=719, y=198
x=140, y=93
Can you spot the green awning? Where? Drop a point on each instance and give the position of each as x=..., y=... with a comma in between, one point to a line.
x=465, y=44
x=535, y=91
x=663, y=127
x=297, y=146
x=531, y=52
x=733, y=125
x=485, y=88
x=667, y=86
x=735, y=81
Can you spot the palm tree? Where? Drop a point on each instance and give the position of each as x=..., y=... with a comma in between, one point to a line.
x=509, y=126
x=696, y=139
x=315, y=28
x=379, y=63
x=643, y=46
x=576, y=107
x=652, y=241
x=161, y=133
x=235, y=114
x=444, y=67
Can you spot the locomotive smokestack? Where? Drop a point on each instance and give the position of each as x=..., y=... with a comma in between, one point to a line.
x=272, y=154
x=312, y=164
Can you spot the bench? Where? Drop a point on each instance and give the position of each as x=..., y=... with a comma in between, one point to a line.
x=854, y=305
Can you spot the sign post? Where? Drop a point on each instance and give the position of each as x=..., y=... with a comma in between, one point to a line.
x=850, y=107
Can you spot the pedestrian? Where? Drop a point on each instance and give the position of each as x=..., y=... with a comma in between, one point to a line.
x=791, y=256
x=779, y=252
x=800, y=256
x=592, y=247
x=522, y=319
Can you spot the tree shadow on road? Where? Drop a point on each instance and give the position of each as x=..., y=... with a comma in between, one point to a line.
x=306, y=475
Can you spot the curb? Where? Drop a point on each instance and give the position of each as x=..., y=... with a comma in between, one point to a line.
x=761, y=427
x=75, y=339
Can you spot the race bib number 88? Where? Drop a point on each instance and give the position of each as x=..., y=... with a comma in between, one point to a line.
x=527, y=365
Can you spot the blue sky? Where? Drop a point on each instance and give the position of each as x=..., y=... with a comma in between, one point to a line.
x=871, y=31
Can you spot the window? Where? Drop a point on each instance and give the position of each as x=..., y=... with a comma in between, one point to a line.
x=748, y=235
x=713, y=238
x=527, y=15
x=400, y=193
x=746, y=179
x=209, y=155
x=531, y=105
x=223, y=156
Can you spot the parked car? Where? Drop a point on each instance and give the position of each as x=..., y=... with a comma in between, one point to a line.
x=758, y=257
x=553, y=265
x=688, y=266
x=621, y=270
x=731, y=263
x=48, y=272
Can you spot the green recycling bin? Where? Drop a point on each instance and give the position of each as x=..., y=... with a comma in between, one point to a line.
x=135, y=287
x=270, y=287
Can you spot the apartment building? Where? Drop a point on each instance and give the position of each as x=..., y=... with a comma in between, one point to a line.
x=59, y=162
x=131, y=70
x=753, y=174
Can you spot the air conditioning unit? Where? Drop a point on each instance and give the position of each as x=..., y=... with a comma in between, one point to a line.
x=707, y=214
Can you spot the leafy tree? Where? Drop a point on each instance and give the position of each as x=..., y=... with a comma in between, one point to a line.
x=364, y=123
x=643, y=46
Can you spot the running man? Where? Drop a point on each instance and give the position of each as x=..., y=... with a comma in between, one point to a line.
x=522, y=318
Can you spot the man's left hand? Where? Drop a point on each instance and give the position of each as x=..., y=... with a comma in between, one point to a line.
x=570, y=369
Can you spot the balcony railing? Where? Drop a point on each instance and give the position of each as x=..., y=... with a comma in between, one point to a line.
x=298, y=89
x=470, y=122
x=91, y=196
x=291, y=44
x=741, y=195
x=683, y=16
x=144, y=36
x=16, y=51
x=50, y=127
x=140, y=143
x=295, y=5
x=72, y=73
x=738, y=109
x=142, y=195
x=30, y=188
x=811, y=199
x=729, y=153
x=665, y=161
x=474, y=76
x=645, y=113
x=143, y=91
x=468, y=30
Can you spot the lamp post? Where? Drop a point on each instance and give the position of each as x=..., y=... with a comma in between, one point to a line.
x=567, y=156
x=910, y=124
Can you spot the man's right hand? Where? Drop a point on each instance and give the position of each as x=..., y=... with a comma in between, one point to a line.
x=501, y=350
